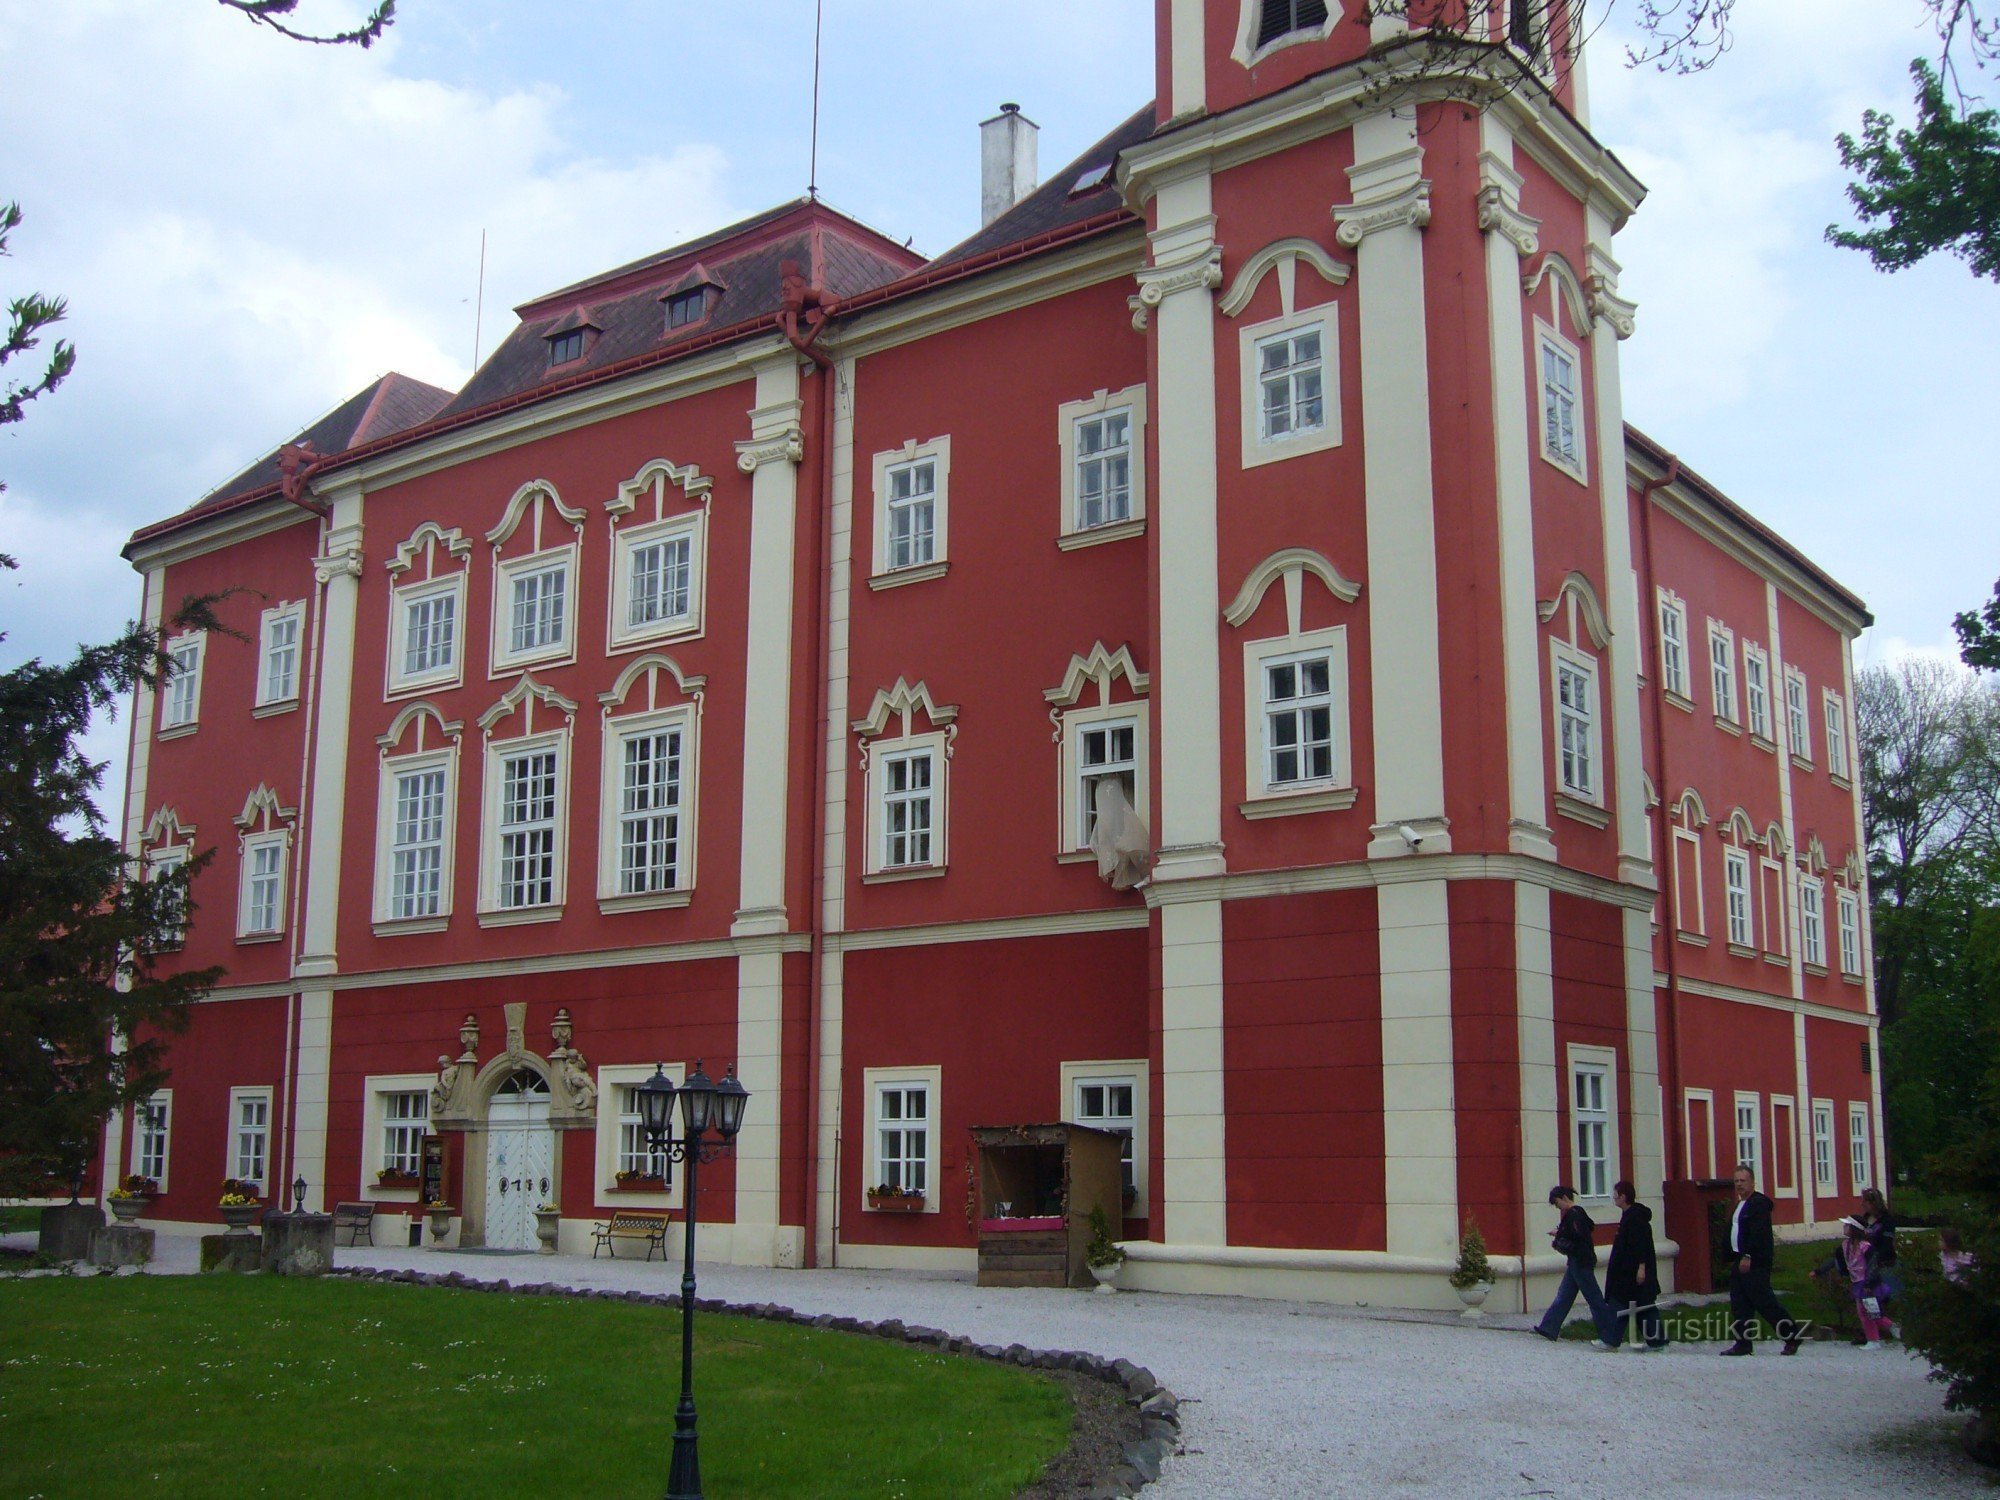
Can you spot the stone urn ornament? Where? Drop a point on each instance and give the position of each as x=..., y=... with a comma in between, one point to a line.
x=239, y=1209
x=548, y=1221
x=1103, y=1255
x=127, y=1206
x=440, y=1217
x=1472, y=1277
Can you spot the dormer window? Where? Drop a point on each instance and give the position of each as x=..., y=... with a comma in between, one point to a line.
x=1278, y=18
x=566, y=346
x=684, y=308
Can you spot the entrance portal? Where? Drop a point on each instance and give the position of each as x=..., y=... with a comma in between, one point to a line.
x=520, y=1155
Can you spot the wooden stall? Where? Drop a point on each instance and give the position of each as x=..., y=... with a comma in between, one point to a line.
x=1037, y=1186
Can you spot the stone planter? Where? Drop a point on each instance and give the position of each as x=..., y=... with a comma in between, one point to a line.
x=239, y=1217
x=1474, y=1298
x=440, y=1216
x=896, y=1203
x=1106, y=1277
x=547, y=1222
x=127, y=1209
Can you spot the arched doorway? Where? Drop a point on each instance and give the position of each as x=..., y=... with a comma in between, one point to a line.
x=520, y=1159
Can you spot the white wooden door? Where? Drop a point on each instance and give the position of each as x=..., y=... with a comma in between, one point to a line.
x=520, y=1158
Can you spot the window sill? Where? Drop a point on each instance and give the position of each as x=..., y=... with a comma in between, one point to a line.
x=391, y=1194
x=252, y=939
x=896, y=578
x=1742, y=951
x=1292, y=804
x=1583, y=812
x=272, y=710
x=410, y=687
x=892, y=876
x=639, y=1197
x=898, y=1213
x=1563, y=467
x=1853, y=979
x=1802, y=763
x=685, y=630
x=1685, y=705
x=179, y=731
x=1260, y=451
x=1818, y=971
x=1840, y=781
x=1763, y=744
x=1783, y=960
x=1782, y=1192
x=1693, y=939
x=1728, y=725
x=1114, y=531
x=399, y=926
x=645, y=901
x=513, y=666
x=1077, y=857
x=520, y=916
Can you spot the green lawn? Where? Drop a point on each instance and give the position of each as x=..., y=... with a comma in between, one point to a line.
x=200, y=1386
x=19, y=1220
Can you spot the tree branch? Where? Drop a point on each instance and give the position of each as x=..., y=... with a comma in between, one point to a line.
x=267, y=13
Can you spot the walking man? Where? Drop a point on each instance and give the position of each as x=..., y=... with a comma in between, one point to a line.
x=1632, y=1278
x=1750, y=1291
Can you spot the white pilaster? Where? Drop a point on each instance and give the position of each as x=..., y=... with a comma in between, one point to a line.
x=1642, y=1055
x=1802, y=1161
x=1535, y=1022
x=759, y=1032
x=1419, y=1115
x=1194, y=1194
x=338, y=569
x=315, y=1060
x=1781, y=713
x=1188, y=65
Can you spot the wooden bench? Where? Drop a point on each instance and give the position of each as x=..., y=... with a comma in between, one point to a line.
x=357, y=1219
x=649, y=1225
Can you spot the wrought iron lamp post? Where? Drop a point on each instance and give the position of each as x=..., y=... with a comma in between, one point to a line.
x=711, y=1114
x=299, y=1196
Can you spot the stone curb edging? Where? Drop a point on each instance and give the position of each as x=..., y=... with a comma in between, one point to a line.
x=1139, y=1465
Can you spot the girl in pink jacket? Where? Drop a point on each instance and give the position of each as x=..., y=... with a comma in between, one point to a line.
x=1866, y=1283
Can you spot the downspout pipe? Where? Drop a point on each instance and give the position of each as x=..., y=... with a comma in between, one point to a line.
x=803, y=315
x=1665, y=869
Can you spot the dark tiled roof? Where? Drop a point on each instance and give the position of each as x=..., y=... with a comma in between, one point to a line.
x=1053, y=205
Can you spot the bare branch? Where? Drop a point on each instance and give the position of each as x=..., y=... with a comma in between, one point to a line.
x=267, y=13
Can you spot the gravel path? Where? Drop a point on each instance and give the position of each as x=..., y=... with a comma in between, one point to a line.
x=1298, y=1400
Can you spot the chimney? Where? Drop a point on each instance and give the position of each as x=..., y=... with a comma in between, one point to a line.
x=1006, y=161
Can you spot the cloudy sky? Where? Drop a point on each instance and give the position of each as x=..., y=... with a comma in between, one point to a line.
x=249, y=230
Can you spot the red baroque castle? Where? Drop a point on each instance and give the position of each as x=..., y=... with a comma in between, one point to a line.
x=1205, y=657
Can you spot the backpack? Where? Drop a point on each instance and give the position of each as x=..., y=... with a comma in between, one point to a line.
x=1573, y=1237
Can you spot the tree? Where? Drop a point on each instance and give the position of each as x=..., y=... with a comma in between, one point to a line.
x=82, y=937
x=1979, y=634
x=27, y=317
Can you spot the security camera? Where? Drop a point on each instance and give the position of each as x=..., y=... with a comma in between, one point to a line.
x=1410, y=835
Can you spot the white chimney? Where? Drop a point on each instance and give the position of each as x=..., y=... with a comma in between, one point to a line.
x=1006, y=161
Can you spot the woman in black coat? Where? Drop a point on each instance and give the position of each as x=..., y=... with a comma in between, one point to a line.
x=1632, y=1277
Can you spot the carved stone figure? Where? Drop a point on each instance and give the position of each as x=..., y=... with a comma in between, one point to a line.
x=576, y=1079
x=446, y=1087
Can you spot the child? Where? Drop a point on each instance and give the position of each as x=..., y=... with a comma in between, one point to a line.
x=1953, y=1257
x=1861, y=1274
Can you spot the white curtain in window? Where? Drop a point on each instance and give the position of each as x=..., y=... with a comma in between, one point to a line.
x=1119, y=840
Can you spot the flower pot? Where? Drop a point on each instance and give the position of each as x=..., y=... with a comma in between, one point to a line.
x=547, y=1222
x=239, y=1217
x=440, y=1217
x=1106, y=1276
x=127, y=1209
x=896, y=1203
x=1473, y=1296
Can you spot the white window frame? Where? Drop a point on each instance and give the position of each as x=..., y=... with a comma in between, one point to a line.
x=1860, y=1148
x=1706, y=1099
x=1069, y=417
x=873, y=1082
x=447, y=673
x=1601, y=1064
x=1777, y=931
x=1784, y=1136
x=1722, y=673
x=611, y=1080
x=1684, y=908
x=691, y=526
x=238, y=1097
x=1122, y=1072
x=1848, y=907
x=1248, y=50
x=506, y=574
x=1073, y=825
x=1738, y=899
x=375, y=1091
x=1835, y=713
x=1337, y=790
x=1257, y=448
x=1591, y=793
x=164, y=860
x=180, y=710
x=1754, y=1157
x=491, y=834
x=1757, y=695
x=294, y=615
x=881, y=755
x=1798, y=722
x=393, y=768
x=142, y=1115
x=1674, y=673
x=1825, y=1175
x=253, y=844
x=1575, y=463
x=611, y=896
x=937, y=452
x=1812, y=923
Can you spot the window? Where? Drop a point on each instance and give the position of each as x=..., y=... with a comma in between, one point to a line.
x=656, y=586
x=1796, y=722
x=1857, y=1147
x=1690, y=899
x=278, y=655
x=423, y=646
x=406, y=1120
x=1521, y=27
x=1784, y=1148
x=1673, y=645
x=1849, y=906
x=1591, y=1105
x=1290, y=385
x=180, y=702
x=684, y=308
x=533, y=610
x=647, y=802
x=1104, y=466
x=1757, y=691
x=638, y=1159
x=260, y=910
x=1105, y=752
x=413, y=838
x=1749, y=1134
x=160, y=864
x=1576, y=724
x=902, y=1107
x=911, y=494
x=1822, y=1123
x=1775, y=933
x=1812, y=923
x=629, y=1172
x=1562, y=435
x=250, y=1143
x=1722, y=670
x=1700, y=1108
x=1278, y=18
x=1736, y=884
x=1836, y=735
x=1112, y=1096
x=650, y=779
x=525, y=874
x=1295, y=720
x=153, y=1122
x=566, y=346
x=906, y=817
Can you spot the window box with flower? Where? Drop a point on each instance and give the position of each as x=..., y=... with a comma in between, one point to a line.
x=894, y=1200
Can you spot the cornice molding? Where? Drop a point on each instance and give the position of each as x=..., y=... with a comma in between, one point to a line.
x=1198, y=271
x=1287, y=563
x=455, y=543
x=522, y=691
x=1411, y=207
x=788, y=446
